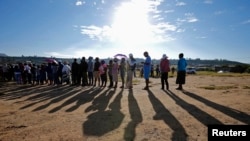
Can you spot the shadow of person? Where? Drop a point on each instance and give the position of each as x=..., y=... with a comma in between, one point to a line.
x=101, y=102
x=179, y=133
x=197, y=113
x=54, y=94
x=104, y=121
x=135, y=115
x=236, y=114
x=57, y=98
x=79, y=98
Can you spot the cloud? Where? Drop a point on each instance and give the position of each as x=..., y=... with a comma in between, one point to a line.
x=168, y=11
x=180, y=30
x=208, y=1
x=180, y=4
x=79, y=3
x=201, y=37
x=219, y=12
x=129, y=25
x=246, y=22
x=97, y=33
x=190, y=17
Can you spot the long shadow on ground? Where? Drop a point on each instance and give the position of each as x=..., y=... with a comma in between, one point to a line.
x=80, y=98
x=236, y=114
x=104, y=121
x=197, y=113
x=135, y=115
x=55, y=94
x=179, y=133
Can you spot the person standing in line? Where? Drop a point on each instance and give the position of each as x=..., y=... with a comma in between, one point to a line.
x=83, y=72
x=38, y=74
x=157, y=70
x=181, y=71
x=164, y=69
x=59, y=71
x=75, y=69
x=110, y=67
x=17, y=72
x=33, y=73
x=130, y=72
x=122, y=70
x=43, y=73
x=66, y=70
x=115, y=71
x=54, y=68
x=27, y=69
x=97, y=78
x=146, y=69
x=103, y=73
x=172, y=70
x=90, y=71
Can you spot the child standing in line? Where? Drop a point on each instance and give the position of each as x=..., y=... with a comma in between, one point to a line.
x=103, y=73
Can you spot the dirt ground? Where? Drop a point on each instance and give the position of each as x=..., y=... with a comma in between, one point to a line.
x=75, y=113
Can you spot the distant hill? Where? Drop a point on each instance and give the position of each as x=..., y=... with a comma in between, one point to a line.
x=191, y=62
x=3, y=55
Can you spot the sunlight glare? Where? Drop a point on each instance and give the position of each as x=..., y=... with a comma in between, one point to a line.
x=131, y=23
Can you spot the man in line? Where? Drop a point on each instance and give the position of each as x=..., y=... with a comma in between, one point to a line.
x=146, y=69
x=131, y=69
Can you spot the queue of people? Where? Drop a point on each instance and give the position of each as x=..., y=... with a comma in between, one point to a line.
x=96, y=72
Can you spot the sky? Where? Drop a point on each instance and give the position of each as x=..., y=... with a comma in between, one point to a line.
x=201, y=29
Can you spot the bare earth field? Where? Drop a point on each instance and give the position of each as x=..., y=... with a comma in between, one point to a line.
x=75, y=113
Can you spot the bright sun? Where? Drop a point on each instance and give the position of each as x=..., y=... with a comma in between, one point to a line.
x=131, y=24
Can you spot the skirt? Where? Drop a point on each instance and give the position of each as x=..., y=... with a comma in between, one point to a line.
x=181, y=77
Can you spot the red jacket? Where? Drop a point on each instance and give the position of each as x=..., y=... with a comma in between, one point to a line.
x=164, y=65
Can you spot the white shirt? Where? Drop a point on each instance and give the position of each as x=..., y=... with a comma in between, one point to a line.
x=66, y=68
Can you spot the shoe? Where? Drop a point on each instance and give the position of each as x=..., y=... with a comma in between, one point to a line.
x=178, y=88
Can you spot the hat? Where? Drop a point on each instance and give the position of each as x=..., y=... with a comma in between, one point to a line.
x=115, y=59
x=164, y=56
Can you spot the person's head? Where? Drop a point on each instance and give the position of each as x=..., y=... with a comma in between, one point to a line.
x=164, y=56
x=130, y=55
x=110, y=61
x=123, y=60
x=90, y=58
x=181, y=55
x=115, y=60
x=83, y=58
x=103, y=62
x=145, y=54
x=97, y=59
x=75, y=60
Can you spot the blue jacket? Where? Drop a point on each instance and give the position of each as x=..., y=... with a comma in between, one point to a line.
x=182, y=64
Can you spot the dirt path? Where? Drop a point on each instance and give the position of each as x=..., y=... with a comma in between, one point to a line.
x=70, y=113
